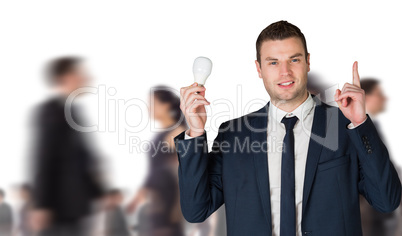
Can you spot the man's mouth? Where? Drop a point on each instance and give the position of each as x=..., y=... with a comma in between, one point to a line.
x=286, y=84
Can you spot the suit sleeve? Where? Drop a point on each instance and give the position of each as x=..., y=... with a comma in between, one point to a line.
x=200, y=176
x=379, y=181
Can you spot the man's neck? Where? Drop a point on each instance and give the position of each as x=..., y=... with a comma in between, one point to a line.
x=65, y=90
x=290, y=105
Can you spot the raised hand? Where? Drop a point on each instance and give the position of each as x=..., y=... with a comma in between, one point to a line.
x=192, y=104
x=351, y=100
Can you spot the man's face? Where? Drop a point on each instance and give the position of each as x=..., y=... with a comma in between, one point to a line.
x=376, y=100
x=77, y=78
x=284, y=69
x=158, y=110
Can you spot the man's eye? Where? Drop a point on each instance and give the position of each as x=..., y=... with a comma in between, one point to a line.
x=295, y=60
x=273, y=63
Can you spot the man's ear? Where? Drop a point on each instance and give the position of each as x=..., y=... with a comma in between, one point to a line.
x=257, y=64
x=308, y=62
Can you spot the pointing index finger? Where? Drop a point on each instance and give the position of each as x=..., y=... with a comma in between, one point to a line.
x=356, y=77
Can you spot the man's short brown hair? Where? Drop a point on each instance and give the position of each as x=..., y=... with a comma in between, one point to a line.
x=60, y=67
x=278, y=31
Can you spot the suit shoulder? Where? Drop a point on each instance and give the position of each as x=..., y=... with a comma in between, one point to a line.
x=48, y=112
x=242, y=120
x=50, y=105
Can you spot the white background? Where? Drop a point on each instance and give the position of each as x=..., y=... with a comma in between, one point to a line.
x=133, y=45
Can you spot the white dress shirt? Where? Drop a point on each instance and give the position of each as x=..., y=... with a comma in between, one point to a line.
x=276, y=133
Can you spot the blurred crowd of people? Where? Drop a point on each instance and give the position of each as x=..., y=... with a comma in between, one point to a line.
x=66, y=194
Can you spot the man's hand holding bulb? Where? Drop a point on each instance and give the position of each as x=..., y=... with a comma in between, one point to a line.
x=193, y=99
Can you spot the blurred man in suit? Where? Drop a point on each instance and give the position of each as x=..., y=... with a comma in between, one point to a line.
x=373, y=222
x=65, y=178
x=294, y=167
x=6, y=216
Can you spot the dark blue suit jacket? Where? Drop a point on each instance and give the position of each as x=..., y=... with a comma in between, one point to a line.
x=341, y=164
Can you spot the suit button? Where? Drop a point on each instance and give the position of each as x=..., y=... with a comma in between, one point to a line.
x=368, y=147
x=364, y=137
x=369, y=151
x=366, y=142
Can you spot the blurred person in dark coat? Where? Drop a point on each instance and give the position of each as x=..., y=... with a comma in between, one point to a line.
x=116, y=224
x=375, y=223
x=65, y=181
x=6, y=216
x=161, y=214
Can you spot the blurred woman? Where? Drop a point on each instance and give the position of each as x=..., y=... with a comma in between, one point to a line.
x=161, y=215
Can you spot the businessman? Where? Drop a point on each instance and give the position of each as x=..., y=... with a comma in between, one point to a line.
x=308, y=186
x=65, y=178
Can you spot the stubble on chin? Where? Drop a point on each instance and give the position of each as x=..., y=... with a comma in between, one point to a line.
x=294, y=96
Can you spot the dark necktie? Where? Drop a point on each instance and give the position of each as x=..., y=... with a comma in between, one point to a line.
x=288, y=208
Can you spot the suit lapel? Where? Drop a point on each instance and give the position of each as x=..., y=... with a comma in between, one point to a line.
x=318, y=135
x=259, y=123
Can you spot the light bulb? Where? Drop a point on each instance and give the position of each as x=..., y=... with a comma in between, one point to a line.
x=201, y=69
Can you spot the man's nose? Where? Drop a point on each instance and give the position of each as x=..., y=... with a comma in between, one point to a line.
x=285, y=69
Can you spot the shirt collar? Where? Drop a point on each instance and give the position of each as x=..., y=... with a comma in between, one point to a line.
x=300, y=112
